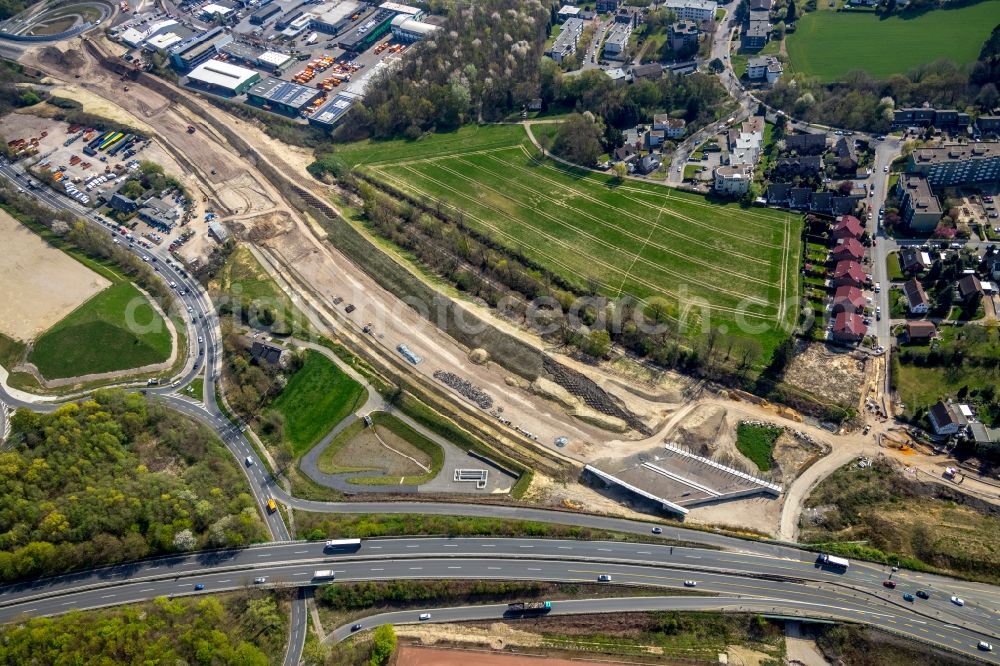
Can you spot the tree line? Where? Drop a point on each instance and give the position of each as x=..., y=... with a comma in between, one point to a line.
x=115, y=478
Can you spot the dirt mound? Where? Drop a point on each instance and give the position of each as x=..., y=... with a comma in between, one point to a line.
x=592, y=395
x=832, y=374
x=68, y=61
x=699, y=432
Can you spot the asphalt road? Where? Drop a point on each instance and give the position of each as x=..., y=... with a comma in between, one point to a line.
x=774, y=596
x=204, y=359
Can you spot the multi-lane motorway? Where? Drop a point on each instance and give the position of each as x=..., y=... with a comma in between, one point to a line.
x=790, y=586
x=752, y=575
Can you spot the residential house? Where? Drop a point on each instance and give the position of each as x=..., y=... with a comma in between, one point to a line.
x=733, y=180
x=779, y=194
x=625, y=154
x=846, y=153
x=569, y=37
x=607, y=6
x=994, y=268
x=617, y=75
x=918, y=207
x=756, y=32
x=946, y=418
x=764, y=68
x=648, y=164
x=919, y=331
x=848, y=299
x=849, y=327
x=806, y=144
x=916, y=299
x=844, y=205
x=820, y=202
x=800, y=197
x=969, y=286
x=616, y=43
x=761, y=5
x=683, y=36
x=122, y=204
x=265, y=353
x=535, y=104
x=788, y=167
x=567, y=12
x=847, y=226
x=849, y=274
x=913, y=260
x=652, y=71
x=698, y=11
x=654, y=138
x=676, y=127
x=848, y=249
x=948, y=119
x=988, y=125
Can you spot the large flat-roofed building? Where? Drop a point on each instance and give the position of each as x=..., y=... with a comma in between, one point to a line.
x=692, y=10
x=408, y=29
x=282, y=96
x=223, y=77
x=918, y=206
x=274, y=61
x=567, y=40
x=617, y=41
x=958, y=165
x=196, y=50
x=413, y=12
x=331, y=113
x=265, y=14
x=359, y=38
x=210, y=11
x=334, y=18
x=683, y=35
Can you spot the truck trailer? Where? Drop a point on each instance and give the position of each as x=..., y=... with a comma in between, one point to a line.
x=833, y=561
x=529, y=607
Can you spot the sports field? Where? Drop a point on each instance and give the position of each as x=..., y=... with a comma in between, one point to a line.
x=828, y=45
x=713, y=263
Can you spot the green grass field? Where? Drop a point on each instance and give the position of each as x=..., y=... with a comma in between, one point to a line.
x=756, y=443
x=713, y=263
x=317, y=397
x=96, y=337
x=828, y=45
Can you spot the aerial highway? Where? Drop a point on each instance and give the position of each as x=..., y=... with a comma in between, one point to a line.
x=780, y=597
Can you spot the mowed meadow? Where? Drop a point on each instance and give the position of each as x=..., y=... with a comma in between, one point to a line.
x=828, y=45
x=714, y=263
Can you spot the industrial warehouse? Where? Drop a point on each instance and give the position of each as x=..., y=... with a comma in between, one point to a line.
x=300, y=59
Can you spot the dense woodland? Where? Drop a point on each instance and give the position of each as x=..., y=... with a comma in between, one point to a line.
x=861, y=102
x=113, y=479
x=244, y=629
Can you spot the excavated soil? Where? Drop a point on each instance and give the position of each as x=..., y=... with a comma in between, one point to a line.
x=832, y=374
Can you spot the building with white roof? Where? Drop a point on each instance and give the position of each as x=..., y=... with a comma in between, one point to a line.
x=134, y=37
x=408, y=29
x=162, y=42
x=210, y=10
x=223, y=77
x=414, y=12
x=692, y=10
x=275, y=61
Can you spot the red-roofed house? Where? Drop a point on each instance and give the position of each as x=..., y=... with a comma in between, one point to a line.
x=917, y=301
x=848, y=227
x=848, y=299
x=849, y=273
x=920, y=330
x=849, y=327
x=847, y=248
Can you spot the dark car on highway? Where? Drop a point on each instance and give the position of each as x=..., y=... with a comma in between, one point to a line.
x=923, y=595
x=891, y=584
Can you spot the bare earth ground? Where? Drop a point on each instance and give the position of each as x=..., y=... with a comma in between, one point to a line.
x=366, y=451
x=421, y=656
x=39, y=285
x=833, y=374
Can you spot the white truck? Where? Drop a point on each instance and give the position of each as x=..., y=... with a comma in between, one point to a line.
x=323, y=574
x=833, y=561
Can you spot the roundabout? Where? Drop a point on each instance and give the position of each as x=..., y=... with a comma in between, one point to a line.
x=56, y=20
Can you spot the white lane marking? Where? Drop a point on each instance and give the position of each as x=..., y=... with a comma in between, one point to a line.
x=533, y=569
x=264, y=555
x=224, y=581
x=68, y=603
x=642, y=552
x=606, y=550
x=378, y=569
x=489, y=545
x=148, y=589
x=451, y=545
x=152, y=568
x=413, y=546
x=107, y=596
x=454, y=567
x=565, y=547
x=304, y=573
x=375, y=547
x=300, y=552
x=525, y=546
x=493, y=568
x=415, y=568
